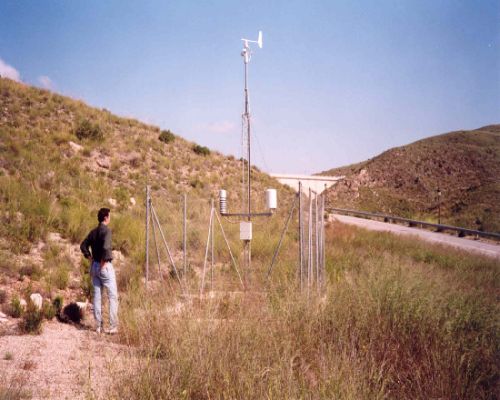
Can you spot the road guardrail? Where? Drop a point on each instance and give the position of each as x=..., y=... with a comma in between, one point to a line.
x=414, y=223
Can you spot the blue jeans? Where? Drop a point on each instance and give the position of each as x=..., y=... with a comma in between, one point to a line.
x=105, y=277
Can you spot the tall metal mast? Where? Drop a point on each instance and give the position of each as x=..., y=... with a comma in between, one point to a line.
x=246, y=54
x=271, y=197
x=246, y=118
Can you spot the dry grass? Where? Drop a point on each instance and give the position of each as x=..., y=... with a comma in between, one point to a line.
x=15, y=389
x=397, y=319
x=60, y=189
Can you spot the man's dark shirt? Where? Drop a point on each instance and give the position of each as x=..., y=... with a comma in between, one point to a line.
x=99, y=240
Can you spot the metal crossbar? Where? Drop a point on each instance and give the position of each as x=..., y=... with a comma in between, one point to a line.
x=412, y=222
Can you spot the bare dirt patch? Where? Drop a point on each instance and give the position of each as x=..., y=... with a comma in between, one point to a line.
x=64, y=362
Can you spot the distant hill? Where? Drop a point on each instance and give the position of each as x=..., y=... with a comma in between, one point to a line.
x=403, y=181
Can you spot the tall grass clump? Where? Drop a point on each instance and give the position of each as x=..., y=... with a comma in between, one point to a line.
x=88, y=130
x=386, y=325
x=15, y=308
x=58, y=265
x=26, y=212
x=32, y=318
x=76, y=220
x=15, y=388
x=128, y=234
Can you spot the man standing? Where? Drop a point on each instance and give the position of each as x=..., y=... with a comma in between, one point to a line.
x=102, y=272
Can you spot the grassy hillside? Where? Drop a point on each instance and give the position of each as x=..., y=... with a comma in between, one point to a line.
x=396, y=318
x=464, y=165
x=62, y=160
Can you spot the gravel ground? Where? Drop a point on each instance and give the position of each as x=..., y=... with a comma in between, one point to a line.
x=63, y=362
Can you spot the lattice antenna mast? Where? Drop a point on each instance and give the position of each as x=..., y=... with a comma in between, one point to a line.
x=246, y=53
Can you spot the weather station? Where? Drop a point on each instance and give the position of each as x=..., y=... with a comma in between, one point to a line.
x=271, y=195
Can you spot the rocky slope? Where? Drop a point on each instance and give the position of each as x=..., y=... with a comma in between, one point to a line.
x=464, y=166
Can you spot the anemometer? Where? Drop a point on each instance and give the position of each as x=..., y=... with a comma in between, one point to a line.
x=271, y=196
x=246, y=53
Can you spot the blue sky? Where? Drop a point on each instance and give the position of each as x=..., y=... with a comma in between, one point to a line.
x=337, y=82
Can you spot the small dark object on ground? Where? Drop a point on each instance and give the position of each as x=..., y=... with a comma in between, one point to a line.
x=71, y=313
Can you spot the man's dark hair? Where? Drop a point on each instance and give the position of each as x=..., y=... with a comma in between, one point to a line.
x=103, y=213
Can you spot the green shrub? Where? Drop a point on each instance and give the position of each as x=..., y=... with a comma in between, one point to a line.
x=88, y=130
x=58, y=303
x=48, y=310
x=122, y=197
x=7, y=266
x=128, y=233
x=85, y=279
x=27, y=213
x=31, y=270
x=58, y=262
x=201, y=150
x=76, y=221
x=31, y=321
x=15, y=309
x=166, y=136
x=60, y=277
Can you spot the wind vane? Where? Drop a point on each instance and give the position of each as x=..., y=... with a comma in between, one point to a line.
x=271, y=196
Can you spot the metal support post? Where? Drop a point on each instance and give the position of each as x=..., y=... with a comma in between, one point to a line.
x=248, y=260
x=323, y=242
x=184, y=234
x=155, y=216
x=320, y=242
x=309, y=248
x=316, y=242
x=301, y=240
x=212, y=248
x=148, y=214
x=157, y=250
x=229, y=248
x=285, y=229
x=202, y=286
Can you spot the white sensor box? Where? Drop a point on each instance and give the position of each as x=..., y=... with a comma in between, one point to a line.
x=245, y=230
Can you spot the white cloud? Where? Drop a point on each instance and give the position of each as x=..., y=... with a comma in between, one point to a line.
x=8, y=71
x=219, y=127
x=45, y=81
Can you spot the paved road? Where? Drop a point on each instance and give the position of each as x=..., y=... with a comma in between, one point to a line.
x=488, y=249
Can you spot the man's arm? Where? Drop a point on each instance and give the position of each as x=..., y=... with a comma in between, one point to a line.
x=84, y=247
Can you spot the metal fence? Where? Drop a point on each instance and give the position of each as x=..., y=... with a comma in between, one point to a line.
x=414, y=223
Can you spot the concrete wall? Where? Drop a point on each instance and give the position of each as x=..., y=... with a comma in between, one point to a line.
x=317, y=183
